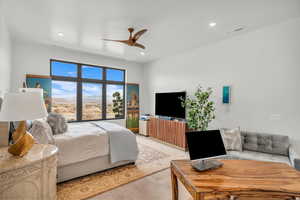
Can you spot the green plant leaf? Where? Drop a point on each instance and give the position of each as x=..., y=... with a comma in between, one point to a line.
x=200, y=109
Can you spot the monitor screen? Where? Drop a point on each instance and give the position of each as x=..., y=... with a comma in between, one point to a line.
x=169, y=104
x=205, y=144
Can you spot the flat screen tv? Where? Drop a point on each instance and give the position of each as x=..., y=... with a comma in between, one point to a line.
x=169, y=104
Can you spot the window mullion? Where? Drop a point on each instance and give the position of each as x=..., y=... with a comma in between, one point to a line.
x=79, y=94
x=104, y=95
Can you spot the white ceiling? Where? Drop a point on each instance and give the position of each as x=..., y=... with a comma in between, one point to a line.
x=174, y=25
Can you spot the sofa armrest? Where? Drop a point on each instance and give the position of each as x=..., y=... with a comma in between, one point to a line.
x=294, y=154
x=297, y=163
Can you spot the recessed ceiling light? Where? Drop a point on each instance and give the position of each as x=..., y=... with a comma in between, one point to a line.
x=60, y=34
x=142, y=53
x=212, y=24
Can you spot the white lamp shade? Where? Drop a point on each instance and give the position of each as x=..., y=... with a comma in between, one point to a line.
x=23, y=106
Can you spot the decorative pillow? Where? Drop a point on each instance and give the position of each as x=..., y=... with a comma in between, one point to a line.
x=58, y=123
x=232, y=139
x=41, y=131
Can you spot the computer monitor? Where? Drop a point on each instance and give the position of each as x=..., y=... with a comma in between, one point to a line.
x=204, y=145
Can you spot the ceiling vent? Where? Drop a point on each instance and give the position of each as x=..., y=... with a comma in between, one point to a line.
x=238, y=29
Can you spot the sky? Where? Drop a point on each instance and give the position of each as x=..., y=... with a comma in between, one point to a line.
x=67, y=89
x=70, y=70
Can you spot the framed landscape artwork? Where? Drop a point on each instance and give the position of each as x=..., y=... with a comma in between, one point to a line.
x=44, y=82
x=133, y=109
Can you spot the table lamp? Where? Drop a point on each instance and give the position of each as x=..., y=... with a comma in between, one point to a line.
x=20, y=107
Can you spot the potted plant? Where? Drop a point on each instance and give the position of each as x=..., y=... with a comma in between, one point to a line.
x=200, y=109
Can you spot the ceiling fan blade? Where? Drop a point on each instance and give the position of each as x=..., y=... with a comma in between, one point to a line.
x=110, y=40
x=122, y=41
x=139, y=45
x=113, y=40
x=138, y=34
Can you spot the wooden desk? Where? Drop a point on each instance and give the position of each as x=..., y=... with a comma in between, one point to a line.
x=237, y=179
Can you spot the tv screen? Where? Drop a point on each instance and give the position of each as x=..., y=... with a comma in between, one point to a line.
x=169, y=104
x=205, y=144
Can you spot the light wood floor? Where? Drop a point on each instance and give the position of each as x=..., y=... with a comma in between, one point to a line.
x=154, y=187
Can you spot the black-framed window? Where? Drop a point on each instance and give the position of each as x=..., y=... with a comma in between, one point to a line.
x=83, y=92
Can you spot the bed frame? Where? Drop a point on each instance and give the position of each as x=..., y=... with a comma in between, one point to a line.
x=83, y=168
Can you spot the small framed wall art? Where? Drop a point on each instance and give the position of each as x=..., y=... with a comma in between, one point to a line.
x=226, y=94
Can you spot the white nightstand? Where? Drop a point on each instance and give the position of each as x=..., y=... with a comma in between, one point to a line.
x=143, y=127
x=30, y=177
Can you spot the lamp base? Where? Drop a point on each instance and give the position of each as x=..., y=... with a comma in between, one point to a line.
x=22, y=141
x=204, y=165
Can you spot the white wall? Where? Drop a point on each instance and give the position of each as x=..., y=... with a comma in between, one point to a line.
x=5, y=54
x=263, y=68
x=5, y=66
x=32, y=58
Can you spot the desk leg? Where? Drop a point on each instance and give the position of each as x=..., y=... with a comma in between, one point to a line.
x=199, y=196
x=174, y=186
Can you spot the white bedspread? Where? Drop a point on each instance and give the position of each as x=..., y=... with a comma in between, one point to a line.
x=83, y=141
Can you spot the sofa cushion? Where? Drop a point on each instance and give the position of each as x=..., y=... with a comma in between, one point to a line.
x=266, y=143
x=252, y=155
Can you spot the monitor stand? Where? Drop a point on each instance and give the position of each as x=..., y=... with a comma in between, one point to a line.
x=203, y=165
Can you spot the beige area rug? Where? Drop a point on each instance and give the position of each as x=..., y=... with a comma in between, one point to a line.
x=153, y=157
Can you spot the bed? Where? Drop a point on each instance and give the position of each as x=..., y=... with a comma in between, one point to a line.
x=89, y=147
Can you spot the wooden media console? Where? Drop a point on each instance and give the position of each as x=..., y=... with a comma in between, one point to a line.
x=168, y=131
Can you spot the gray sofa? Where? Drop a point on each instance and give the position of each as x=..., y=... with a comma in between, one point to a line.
x=268, y=147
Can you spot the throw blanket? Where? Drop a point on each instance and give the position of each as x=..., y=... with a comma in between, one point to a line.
x=122, y=142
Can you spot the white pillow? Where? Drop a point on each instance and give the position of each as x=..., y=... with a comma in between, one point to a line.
x=232, y=139
x=42, y=132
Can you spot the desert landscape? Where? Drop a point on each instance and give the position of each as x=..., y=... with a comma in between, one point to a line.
x=65, y=107
x=92, y=108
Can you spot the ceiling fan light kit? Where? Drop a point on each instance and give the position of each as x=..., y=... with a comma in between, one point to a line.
x=133, y=38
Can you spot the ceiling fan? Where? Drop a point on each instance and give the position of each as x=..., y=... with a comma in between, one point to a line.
x=132, y=41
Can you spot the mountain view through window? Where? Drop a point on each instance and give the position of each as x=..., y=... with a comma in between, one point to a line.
x=86, y=92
